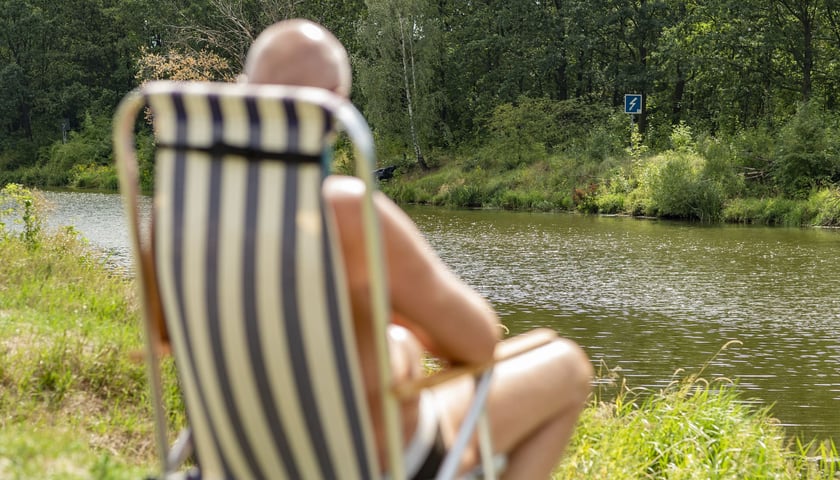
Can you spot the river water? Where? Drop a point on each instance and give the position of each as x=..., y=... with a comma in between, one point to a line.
x=643, y=297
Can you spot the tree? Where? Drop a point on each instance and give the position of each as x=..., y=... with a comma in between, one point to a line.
x=798, y=18
x=397, y=68
x=227, y=28
x=224, y=27
x=174, y=65
x=23, y=31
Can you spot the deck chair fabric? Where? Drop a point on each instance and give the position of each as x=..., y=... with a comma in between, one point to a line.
x=243, y=256
x=242, y=234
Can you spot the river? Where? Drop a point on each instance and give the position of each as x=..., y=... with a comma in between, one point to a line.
x=644, y=297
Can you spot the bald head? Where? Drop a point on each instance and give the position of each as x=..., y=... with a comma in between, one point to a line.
x=299, y=52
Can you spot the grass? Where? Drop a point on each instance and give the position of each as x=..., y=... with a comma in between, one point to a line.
x=74, y=405
x=690, y=429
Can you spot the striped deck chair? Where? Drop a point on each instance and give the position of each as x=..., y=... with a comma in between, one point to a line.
x=239, y=259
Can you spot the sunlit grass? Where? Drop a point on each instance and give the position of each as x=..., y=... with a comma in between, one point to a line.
x=73, y=402
x=690, y=429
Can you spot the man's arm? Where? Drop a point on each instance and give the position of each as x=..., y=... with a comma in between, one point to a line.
x=449, y=318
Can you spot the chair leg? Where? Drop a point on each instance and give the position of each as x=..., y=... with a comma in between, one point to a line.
x=485, y=445
x=482, y=389
x=491, y=465
x=156, y=390
x=180, y=451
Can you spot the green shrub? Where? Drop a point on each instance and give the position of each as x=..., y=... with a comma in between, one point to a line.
x=90, y=176
x=610, y=203
x=405, y=193
x=637, y=148
x=550, y=125
x=560, y=200
x=771, y=211
x=826, y=204
x=26, y=208
x=505, y=153
x=743, y=210
x=430, y=188
x=612, y=194
x=807, y=153
x=465, y=196
x=585, y=198
x=721, y=165
x=682, y=140
x=639, y=204
x=529, y=129
x=782, y=211
x=524, y=200
x=671, y=185
x=605, y=140
x=753, y=152
x=91, y=145
x=678, y=189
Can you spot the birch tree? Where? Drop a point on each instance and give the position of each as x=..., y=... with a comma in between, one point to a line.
x=397, y=67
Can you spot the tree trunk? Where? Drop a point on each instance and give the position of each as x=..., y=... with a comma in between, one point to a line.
x=807, y=56
x=677, y=97
x=418, y=154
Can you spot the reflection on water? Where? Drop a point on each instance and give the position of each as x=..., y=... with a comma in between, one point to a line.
x=98, y=217
x=653, y=297
x=646, y=296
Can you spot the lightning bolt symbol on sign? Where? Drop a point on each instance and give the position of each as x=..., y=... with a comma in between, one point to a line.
x=633, y=103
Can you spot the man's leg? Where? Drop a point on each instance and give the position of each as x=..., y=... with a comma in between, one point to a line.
x=534, y=403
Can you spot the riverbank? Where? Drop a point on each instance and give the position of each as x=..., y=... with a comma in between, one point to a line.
x=75, y=405
x=675, y=185
x=749, y=178
x=754, y=177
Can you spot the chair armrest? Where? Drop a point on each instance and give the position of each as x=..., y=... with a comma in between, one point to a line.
x=510, y=348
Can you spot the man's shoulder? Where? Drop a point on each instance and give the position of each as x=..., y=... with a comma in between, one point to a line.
x=343, y=185
x=342, y=190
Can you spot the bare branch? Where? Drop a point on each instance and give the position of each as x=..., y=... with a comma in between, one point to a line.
x=233, y=27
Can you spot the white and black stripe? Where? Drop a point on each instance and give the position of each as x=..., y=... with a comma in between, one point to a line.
x=253, y=286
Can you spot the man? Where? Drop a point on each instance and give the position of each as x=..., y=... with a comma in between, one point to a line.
x=535, y=398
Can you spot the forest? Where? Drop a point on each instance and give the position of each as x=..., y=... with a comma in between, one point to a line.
x=740, y=97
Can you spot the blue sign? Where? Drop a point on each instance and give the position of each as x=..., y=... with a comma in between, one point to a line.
x=633, y=103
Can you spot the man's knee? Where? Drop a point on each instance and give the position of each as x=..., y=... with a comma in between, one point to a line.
x=572, y=364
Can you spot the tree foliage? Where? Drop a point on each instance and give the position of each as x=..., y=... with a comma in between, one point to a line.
x=435, y=77
x=58, y=61
x=399, y=66
x=174, y=65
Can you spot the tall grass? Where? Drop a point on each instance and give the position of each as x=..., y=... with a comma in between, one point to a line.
x=820, y=208
x=73, y=402
x=539, y=186
x=690, y=429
